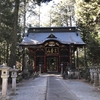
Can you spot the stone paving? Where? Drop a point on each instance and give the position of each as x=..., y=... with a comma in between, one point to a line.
x=35, y=89
x=56, y=90
x=82, y=89
x=32, y=89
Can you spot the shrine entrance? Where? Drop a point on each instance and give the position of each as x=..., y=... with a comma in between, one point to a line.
x=52, y=48
x=52, y=63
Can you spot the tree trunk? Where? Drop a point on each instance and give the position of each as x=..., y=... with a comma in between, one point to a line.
x=7, y=53
x=12, y=60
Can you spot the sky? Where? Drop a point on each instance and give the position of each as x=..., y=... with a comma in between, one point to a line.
x=44, y=14
x=44, y=18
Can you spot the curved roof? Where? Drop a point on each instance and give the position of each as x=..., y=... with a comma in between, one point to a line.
x=63, y=36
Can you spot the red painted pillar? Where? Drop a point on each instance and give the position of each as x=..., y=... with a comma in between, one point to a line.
x=35, y=60
x=59, y=64
x=45, y=67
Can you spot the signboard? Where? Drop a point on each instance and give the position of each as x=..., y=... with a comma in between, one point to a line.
x=52, y=50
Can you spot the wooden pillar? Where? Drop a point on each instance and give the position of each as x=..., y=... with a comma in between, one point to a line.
x=77, y=58
x=45, y=67
x=60, y=59
x=23, y=56
x=85, y=57
x=72, y=56
x=69, y=54
x=59, y=64
x=35, y=61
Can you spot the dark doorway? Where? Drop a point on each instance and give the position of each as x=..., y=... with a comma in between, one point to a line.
x=52, y=63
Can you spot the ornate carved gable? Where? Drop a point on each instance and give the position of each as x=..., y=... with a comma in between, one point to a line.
x=52, y=36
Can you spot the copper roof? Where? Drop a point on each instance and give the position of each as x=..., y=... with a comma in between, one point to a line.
x=64, y=35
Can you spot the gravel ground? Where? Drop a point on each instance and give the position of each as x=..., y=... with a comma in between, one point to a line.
x=82, y=89
x=35, y=89
x=32, y=89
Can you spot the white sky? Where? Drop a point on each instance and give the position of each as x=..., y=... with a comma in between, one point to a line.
x=45, y=16
x=44, y=13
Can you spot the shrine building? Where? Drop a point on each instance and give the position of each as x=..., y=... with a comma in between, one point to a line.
x=52, y=47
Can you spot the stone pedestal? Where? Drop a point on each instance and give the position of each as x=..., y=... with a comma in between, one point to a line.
x=96, y=79
x=40, y=66
x=14, y=75
x=25, y=69
x=40, y=70
x=61, y=68
x=99, y=80
x=95, y=76
x=91, y=76
x=4, y=75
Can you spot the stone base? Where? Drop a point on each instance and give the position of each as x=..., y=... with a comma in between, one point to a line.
x=6, y=98
x=99, y=88
x=95, y=84
x=73, y=75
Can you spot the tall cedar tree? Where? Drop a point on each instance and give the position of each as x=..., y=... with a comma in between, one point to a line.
x=14, y=36
x=88, y=14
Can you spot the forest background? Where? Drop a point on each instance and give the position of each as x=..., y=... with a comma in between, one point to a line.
x=18, y=15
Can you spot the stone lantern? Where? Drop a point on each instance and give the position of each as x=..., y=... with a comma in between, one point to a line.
x=40, y=65
x=4, y=75
x=91, y=74
x=61, y=68
x=96, y=78
x=25, y=70
x=13, y=75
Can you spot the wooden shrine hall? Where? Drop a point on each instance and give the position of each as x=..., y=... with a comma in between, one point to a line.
x=52, y=47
